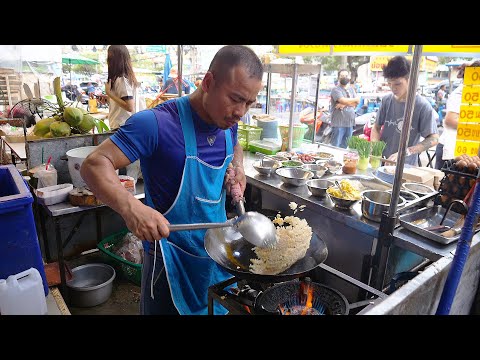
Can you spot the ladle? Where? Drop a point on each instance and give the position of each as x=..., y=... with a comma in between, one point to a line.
x=256, y=228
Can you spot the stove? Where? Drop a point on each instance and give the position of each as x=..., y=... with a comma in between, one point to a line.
x=300, y=296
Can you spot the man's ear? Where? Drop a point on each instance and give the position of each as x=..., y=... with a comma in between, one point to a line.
x=207, y=81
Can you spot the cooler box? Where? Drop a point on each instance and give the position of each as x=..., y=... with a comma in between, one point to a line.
x=19, y=248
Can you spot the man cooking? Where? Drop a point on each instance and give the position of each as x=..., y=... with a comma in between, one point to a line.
x=185, y=146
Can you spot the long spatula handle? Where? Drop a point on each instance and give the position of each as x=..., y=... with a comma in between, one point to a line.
x=197, y=226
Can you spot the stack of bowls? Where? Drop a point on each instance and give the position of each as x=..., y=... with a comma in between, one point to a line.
x=294, y=176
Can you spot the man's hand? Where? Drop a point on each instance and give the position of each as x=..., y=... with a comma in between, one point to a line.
x=146, y=223
x=233, y=176
x=393, y=157
x=340, y=106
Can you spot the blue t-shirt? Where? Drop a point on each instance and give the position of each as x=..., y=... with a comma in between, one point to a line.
x=160, y=146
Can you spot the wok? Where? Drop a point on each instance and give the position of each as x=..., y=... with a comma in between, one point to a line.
x=229, y=249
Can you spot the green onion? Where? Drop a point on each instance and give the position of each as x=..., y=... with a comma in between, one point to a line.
x=363, y=148
x=378, y=147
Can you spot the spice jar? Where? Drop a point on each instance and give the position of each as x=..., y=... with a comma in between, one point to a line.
x=350, y=161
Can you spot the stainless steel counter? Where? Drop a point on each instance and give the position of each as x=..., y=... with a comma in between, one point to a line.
x=353, y=218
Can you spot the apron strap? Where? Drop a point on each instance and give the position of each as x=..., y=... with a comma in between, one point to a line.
x=185, y=112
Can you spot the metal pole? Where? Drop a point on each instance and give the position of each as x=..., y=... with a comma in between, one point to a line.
x=405, y=134
x=316, y=104
x=292, y=101
x=180, y=66
x=388, y=220
x=269, y=88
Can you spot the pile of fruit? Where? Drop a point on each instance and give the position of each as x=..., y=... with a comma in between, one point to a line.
x=67, y=120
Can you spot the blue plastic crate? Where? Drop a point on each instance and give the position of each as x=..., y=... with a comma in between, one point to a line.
x=19, y=248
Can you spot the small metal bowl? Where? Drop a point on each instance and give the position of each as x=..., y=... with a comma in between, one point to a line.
x=318, y=170
x=292, y=163
x=343, y=203
x=375, y=202
x=407, y=195
x=333, y=166
x=319, y=187
x=294, y=176
x=265, y=167
x=419, y=189
x=323, y=156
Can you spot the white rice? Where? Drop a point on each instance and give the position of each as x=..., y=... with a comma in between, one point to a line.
x=293, y=242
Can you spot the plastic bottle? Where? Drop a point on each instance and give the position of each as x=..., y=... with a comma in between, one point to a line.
x=22, y=294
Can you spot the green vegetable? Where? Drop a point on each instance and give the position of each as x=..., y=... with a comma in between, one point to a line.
x=378, y=147
x=353, y=141
x=363, y=148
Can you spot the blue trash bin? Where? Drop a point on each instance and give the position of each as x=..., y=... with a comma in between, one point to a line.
x=19, y=247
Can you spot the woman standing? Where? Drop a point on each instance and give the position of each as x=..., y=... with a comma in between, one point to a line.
x=121, y=89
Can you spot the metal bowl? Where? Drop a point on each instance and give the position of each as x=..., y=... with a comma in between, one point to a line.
x=419, y=189
x=407, y=195
x=292, y=163
x=323, y=156
x=333, y=166
x=294, y=176
x=342, y=203
x=265, y=167
x=375, y=202
x=318, y=170
x=91, y=284
x=319, y=187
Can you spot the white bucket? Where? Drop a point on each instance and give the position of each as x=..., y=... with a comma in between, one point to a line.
x=75, y=160
x=23, y=294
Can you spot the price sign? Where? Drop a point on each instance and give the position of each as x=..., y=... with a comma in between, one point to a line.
x=469, y=113
x=472, y=76
x=466, y=147
x=468, y=132
x=471, y=94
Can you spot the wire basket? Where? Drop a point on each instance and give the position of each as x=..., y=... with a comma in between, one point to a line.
x=247, y=133
x=132, y=271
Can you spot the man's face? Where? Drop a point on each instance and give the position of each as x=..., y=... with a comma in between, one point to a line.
x=399, y=87
x=228, y=101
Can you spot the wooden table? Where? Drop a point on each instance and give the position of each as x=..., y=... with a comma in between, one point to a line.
x=17, y=149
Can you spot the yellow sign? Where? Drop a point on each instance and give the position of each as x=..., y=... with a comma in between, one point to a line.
x=468, y=132
x=369, y=49
x=471, y=94
x=469, y=113
x=378, y=62
x=436, y=49
x=304, y=49
x=466, y=147
x=472, y=76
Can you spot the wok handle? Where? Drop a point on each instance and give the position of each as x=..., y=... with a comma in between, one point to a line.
x=181, y=227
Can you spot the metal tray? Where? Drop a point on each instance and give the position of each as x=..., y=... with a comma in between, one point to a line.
x=368, y=182
x=433, y=216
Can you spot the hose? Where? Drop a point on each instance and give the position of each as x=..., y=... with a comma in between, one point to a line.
x=461, y=255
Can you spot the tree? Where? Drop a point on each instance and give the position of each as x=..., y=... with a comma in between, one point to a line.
x=354, y=62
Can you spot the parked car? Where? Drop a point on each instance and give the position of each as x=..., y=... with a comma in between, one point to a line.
x=433, y=89
x=81, y=89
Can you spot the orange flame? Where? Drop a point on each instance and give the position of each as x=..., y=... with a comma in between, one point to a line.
x=309, y=303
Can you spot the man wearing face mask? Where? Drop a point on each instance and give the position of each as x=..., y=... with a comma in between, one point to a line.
x=343, y=100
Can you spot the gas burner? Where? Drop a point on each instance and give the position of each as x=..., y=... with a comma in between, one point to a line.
x=300, y=296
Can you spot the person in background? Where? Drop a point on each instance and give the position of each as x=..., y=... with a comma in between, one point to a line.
x=391, y=112
x=171, y=85
x=446, y=144
x=343, y=100
x=90, y=89
x=121, y=91
x=185, y=145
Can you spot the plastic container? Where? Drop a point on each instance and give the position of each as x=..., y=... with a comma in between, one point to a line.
x=270, y=128
x=299, y=131
x=22, y=294
x=247, y=133
x=54, y=194
x=264, y=146
x=19, y=248
x=130, y=270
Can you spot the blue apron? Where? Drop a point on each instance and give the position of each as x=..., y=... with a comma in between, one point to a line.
x=201, y=198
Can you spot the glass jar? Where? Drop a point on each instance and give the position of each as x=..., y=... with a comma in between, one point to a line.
x=350, y=160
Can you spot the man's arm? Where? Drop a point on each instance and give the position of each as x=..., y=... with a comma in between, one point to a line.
x=348, y=101
x=451, y=119
x=98, y=171
x=427, y=143
x=128, y=105
x=237, y=164
x=375, y=134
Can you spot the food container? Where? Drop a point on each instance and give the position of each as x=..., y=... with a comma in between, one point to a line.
x=419, y=189
x=54, y=194
x=375, y=202
x=319, y=187
x=264, y=147
x=343, y=203
x=292, y=163
x=318, y=170
x=91, y=284
x=294, y=176
x=265, y=167
x=332, y=166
